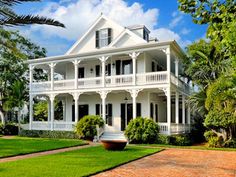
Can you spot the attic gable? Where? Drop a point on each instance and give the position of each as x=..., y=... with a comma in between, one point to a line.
x=120, y=37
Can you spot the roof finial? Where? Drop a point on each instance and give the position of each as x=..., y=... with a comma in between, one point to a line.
x=101, y=13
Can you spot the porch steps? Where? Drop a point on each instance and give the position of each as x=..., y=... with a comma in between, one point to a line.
x=113, y=136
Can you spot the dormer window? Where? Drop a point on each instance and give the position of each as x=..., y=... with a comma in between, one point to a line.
x=103, y=37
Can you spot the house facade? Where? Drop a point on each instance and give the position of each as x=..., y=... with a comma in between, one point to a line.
x=117, y=72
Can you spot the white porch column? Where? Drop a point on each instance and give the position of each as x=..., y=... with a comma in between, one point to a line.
x=168, y=105
x=134, y=94
x=183, y=109
x=64, y=110
x=31, y=69
x=103, y=95
x=134, y=56
x=103, y=61
x=49, y=110
x=176, y=67
x=52, y=65
x=31, y=112
x=76, y=98
x=76, y=63
x=177, y=107
x=52, y=97
x=189, y=115
x=168, y=63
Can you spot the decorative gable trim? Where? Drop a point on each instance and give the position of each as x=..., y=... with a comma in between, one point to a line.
x=127, y=31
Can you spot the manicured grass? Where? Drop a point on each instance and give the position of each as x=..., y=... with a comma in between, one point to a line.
x=163, y=146
x=17, y=145
x=76, y=163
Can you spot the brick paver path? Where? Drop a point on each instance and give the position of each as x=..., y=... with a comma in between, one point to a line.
x=179, y=163
x=36, y=154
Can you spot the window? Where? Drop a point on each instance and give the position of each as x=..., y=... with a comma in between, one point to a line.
x=151, y=110
x=103, y=37
x=153, y=66
x=145, y=35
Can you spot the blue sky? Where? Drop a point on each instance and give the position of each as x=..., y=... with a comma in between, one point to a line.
x=161, y=17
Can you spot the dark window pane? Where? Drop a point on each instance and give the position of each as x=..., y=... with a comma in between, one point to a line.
x=139, y=110
x=98, y=109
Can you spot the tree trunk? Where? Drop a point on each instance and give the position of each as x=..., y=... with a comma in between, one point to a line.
x=223, y=135
x=2, y=117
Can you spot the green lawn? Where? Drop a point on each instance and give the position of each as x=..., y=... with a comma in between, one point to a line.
x=76, y=163
x=17, y=145
x=163, y=146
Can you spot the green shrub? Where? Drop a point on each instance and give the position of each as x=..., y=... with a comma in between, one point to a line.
x=183, y=140
x=163, y=139
x=48, y=134
x=86, y=127
x=230, y=143
x=213, y=141
x=8, y=129
x=142, y=130
x=209, y=134
x=177, y=140
x=1, y=129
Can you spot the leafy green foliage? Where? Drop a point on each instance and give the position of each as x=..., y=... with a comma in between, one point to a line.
x=221, y=104
x=142, y=130
x=41, y=109
x=14, y=51
x=8, y=17
x=9, y=129
x=86, y=127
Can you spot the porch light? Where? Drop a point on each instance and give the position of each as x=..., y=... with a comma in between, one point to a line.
x=126, y=99
x=91, y=70
x=113, y=65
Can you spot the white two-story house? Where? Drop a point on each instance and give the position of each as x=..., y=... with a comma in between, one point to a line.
x=117, y=72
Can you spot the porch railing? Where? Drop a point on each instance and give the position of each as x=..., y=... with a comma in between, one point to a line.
x=111, y=81
x=151, y=78
x=120, y=80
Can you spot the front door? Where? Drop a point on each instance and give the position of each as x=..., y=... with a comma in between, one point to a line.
x=81, y=72
x=83, y=110
x=126, y=114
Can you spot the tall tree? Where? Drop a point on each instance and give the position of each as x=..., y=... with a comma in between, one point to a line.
x=14, y=54
x=10, y=18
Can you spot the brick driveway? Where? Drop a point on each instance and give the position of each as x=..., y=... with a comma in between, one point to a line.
x=179, y=162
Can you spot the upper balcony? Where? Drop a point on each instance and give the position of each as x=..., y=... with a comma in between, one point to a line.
x=126, y=69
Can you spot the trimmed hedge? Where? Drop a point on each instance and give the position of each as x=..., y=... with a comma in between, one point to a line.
x=177, y=140
x=48, y=134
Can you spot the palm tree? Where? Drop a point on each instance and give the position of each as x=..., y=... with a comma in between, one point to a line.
x=9, y=18
x=16, y=99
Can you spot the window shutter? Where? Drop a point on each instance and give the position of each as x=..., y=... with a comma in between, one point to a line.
x=109, y=35
x=118, y=62
x=97, y=39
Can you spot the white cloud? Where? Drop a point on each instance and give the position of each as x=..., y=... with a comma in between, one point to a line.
x=177, y=19
x=185, y=31
x=79, y=15
x=164, y=34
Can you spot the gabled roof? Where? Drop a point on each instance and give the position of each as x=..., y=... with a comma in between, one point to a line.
x=126, y=31
x=103, y=17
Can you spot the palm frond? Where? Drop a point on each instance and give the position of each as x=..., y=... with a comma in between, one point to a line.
x=14, y=2
x=29, y=19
